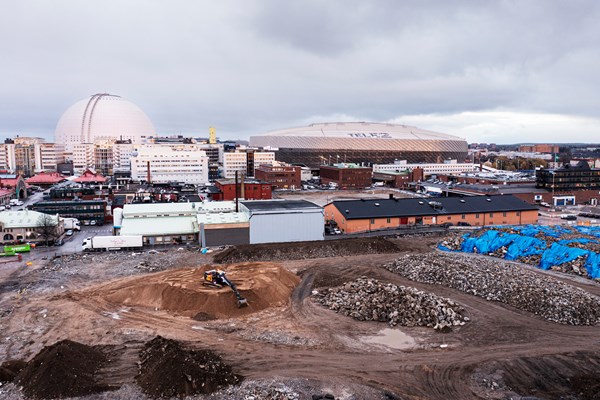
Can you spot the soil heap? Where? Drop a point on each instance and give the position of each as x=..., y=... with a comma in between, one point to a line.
x=181, y=291
x=65, y=369
x=370, y=300
x=167, y=370
x=306, y=250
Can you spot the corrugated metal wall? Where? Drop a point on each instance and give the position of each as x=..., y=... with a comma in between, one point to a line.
x=291, y=227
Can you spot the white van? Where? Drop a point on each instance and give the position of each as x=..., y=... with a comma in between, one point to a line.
x=16, y=202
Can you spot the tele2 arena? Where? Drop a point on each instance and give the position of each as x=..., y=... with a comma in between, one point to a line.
x=361, y=142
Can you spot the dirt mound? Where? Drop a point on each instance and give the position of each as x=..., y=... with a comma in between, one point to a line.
x=556, y=376
x=181, y=291
x=167, y=370
x=305, y=250
x=65, y=369
x=10, y=369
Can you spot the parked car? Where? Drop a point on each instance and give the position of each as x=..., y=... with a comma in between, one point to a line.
x=569, y=217
x=86, y=222
x=446, y=224
x=59, y=242
x=461, y=223
x=2, y=208
x=337, y=231
x=69, y=232
x=93, y=222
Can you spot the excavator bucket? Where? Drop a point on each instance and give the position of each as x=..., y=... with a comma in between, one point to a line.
x=242, y=303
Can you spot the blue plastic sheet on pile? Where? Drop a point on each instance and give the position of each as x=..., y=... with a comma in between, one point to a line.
x=592, y=264
x=558, y=254
x=576, y=240
x=589, y=230
x=525, y=244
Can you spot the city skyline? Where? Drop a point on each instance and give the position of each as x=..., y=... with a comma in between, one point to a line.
x=501, y=72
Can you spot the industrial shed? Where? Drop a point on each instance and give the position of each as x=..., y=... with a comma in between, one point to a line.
x=284, y=221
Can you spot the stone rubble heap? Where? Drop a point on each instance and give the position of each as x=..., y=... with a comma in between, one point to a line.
x=496, y=280
x=370, y=300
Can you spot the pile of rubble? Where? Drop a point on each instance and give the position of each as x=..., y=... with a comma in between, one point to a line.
x=504, y=282
x=370, y=300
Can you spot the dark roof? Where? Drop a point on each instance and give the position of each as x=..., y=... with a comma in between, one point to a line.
x=385, y=208
x=279, y=205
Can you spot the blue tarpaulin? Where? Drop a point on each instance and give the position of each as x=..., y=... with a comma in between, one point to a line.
x=525, y=244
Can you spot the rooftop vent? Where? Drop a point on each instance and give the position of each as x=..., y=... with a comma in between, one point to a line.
x=489, y=199
x=421, y=202
x=376, y=204
x=462, y=201
x=347, y=211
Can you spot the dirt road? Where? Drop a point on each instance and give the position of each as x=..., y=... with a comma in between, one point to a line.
x=500, y=352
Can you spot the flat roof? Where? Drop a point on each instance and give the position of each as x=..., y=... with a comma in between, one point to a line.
x=24, y=219
x=386, y=208
x=257, y=206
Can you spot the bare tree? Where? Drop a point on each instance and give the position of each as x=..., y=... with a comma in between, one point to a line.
x=47, y=227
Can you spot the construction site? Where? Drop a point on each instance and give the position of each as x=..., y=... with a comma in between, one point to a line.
x=415, y=317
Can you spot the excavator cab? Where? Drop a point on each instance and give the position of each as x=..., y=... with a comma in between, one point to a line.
x=216, y=278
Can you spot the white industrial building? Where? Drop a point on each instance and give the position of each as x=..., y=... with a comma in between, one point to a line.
x=217, y=223
x=447, y=167
x=170, y=163
x=284, y=221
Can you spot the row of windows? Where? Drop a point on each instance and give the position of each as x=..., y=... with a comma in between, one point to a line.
x=463, y=216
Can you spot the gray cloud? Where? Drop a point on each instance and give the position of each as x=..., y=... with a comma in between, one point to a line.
x=247, y=67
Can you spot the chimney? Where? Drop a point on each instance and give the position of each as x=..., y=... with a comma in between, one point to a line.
x=148, y=173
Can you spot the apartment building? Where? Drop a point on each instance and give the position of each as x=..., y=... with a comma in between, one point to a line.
x=47, y=156
x=170, y=163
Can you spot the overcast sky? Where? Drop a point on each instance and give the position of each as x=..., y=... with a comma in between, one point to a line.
x=489, y=71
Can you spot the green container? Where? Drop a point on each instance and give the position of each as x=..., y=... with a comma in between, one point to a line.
x=17, y=248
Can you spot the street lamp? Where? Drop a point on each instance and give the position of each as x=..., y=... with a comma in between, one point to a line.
x=553, y=175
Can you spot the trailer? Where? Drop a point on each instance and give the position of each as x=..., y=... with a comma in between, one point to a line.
x=99, y=243
x=18, y=248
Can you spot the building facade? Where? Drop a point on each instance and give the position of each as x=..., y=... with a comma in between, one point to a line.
x=354, y=216
x=249, y=189
x=569, y=178
x=169, y=163
x=447, y=167
x=347, y=176
x=281, y=177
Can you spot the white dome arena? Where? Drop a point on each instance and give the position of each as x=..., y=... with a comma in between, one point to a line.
x=103, y=116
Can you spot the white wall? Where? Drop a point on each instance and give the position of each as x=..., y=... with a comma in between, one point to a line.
x=289, y=227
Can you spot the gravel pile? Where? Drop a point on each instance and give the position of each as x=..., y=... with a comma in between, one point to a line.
x=507, y=283
x=370, y=300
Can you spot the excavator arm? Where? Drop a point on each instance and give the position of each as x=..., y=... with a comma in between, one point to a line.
x=216, y=278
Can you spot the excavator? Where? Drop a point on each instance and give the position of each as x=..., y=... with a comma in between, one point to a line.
x=216, y=278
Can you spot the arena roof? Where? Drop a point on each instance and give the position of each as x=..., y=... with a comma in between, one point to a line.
x=359, y=130
x=360, y=136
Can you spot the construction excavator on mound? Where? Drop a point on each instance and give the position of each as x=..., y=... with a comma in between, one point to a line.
x=216, y=278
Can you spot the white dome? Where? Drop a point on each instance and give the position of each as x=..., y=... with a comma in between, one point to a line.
x=102, y=116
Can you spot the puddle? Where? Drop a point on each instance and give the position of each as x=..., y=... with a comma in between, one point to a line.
x=393, y=338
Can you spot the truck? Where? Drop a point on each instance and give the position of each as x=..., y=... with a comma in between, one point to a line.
x=15, y=202
x=99, y=243
x=72, y=223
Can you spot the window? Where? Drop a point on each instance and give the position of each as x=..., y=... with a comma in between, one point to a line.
x=389, y=220
x=372, y=220
x=518, y=213
x=491, y=215
x=464, y=216
x=477, y=215
x=504, y=214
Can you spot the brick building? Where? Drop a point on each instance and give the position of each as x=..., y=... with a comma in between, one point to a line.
x=538, y=148
x=353, y=216
x=400, y=179
x=281, y=177
x=249, y=189
x=347, y=176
